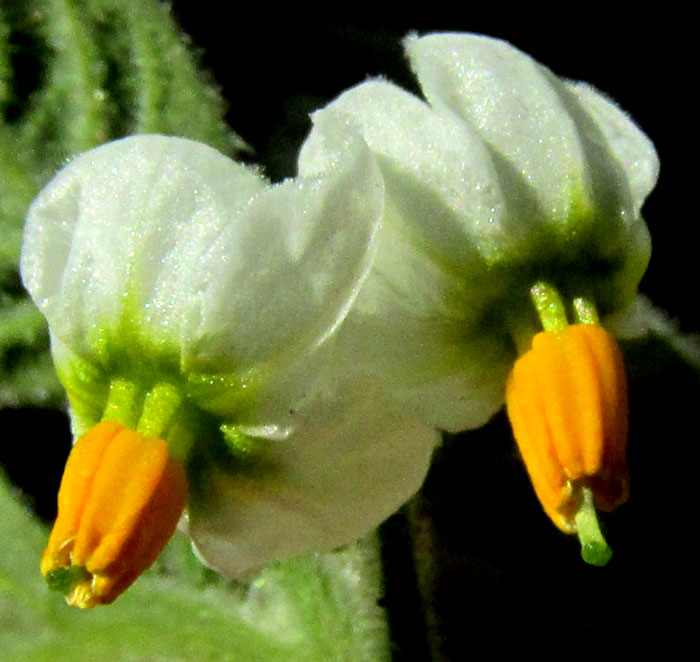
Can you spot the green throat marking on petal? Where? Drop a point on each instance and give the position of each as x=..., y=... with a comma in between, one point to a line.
x=144, y=383
x=244, y=446
x=131, y=354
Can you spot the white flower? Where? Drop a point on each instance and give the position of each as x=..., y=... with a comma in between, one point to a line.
x=189, y=300
x=505, y=176
x=508, y=187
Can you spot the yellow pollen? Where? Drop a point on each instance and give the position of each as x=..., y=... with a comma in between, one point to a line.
x=121, y=497
x=567, y=403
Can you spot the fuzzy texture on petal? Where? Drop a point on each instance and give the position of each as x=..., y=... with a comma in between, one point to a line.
x=110, y=242
x=507, y=175
x=157, y=254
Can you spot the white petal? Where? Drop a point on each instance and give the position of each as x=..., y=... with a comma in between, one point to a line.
x=443, y=372
x=418, y=319
x=634, y=151
x=517, y=106
x=340, y=473
x=439, y=174
x=292, y=262
x=111, y=241
x=423, y=328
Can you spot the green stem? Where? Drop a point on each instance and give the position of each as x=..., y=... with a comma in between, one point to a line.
x=334, y=597
x=594, y=549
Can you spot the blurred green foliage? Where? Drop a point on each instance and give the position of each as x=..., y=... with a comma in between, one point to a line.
x=74, y=74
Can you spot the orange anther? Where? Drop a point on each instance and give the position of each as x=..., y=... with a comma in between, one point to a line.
x=121, y=497
x=567, y=403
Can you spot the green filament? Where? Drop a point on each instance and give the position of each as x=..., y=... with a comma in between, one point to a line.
x=585, y=311
x=158, y=413
x=159, y=407
x=122, y=403
x=549, y=307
